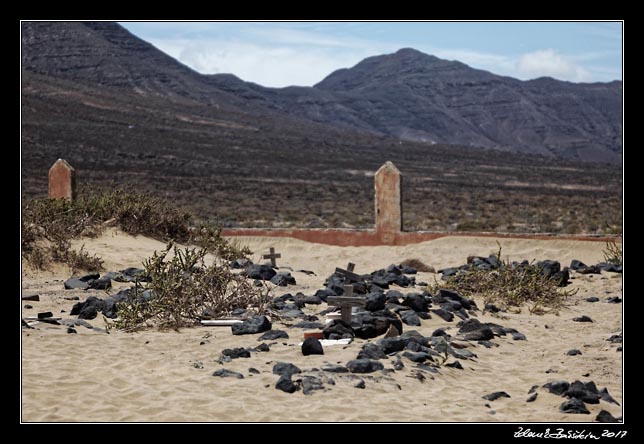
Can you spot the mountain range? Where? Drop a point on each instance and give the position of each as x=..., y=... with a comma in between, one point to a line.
x=406, y=95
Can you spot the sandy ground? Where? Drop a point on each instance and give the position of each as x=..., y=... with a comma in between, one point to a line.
x=151, y=376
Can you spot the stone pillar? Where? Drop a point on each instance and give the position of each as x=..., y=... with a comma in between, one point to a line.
x=62, y=181
x=388, y=183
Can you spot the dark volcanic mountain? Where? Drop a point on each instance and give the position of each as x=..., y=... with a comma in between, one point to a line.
x=408, y=95
x=414, y=96
x=122, y=112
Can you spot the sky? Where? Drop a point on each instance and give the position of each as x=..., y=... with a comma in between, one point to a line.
x=279, y=54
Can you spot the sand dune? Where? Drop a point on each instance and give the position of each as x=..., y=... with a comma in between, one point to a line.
x=153, y=376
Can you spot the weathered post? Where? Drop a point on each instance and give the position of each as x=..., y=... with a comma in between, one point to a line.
x=388, y=184
x=62, y=181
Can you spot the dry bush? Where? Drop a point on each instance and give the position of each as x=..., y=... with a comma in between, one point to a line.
x=418, y=265
x=511, y=286
x=183, y=289
x=48, y=225
x=613, y=253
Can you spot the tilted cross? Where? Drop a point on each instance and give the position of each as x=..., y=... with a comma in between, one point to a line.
x=272, y=256
x=348, y=274
x=347, y=301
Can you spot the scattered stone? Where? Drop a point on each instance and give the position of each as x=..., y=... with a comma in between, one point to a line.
x=592, y=299
x=338, y=329
x=573, y=352
x=533, y=389
x=391, y=345
x=371, y=351
x=574, y=405
x=614, y=300
x=444, y=314
x=418, y=357
x=592, y=269
x=253, y=371
x=225, y=373
x=360, y=384
x=311, y=383
x=263, y=347
x=71, y=330
x=72, y=298
x=577, y=265
x=75, y=284
x=282, y=279
x=532, y=397
x=271, y=335
x=516, y=336
x=312, y=346
x=605, y=416
x=496, y=395
x=474, y=330
x=285, y=384
x=375, y=301
x=610, y=267
x=603, y=394
x=619, y=349
x=335, y=368
x=551, y=370
x=283, y=368
x=583, y=318
x=488, y=344
x=364, y=366
x=455, y=364
x=101, y=283
x=260, y=272
x=410, y=318
x=28, y=307
x=416, y=302
x=257, y=324
x=392, y=332
x=241, y=263
x=398, y=364
x=492, y=308
x=557, y=387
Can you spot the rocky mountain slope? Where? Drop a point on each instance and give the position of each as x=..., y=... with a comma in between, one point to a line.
x=408, y=95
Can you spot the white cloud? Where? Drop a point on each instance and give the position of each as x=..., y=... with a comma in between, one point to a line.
x=281, y=59
x=548, y=62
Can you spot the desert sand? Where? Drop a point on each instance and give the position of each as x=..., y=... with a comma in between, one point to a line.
x=151, y=376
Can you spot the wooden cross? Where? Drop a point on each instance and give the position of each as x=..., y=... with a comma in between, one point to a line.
x=346, y=302
x=348, y=274
x=272, y=256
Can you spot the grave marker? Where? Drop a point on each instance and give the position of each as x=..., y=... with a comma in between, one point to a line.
x=388, y=184
x=347, y=301
x=348, y=274
x=62, y=181
x=272, y=256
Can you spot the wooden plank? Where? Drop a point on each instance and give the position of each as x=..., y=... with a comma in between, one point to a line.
x=352, y=277
x=34, y=297
x=220, y=322
x=353, y=301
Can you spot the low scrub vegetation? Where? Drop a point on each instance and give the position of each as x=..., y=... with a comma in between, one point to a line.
x=183, y=288
x=511, y=286
x=49, y=225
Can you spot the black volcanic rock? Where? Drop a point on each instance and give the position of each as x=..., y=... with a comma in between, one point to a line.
x=574, y=405
x=257, y=324
x=364, y=366
x=311, y=346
